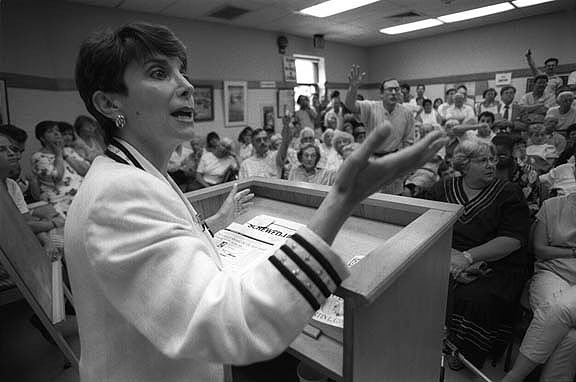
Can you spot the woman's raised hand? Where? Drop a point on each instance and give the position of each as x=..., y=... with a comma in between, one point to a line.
x=363, y=174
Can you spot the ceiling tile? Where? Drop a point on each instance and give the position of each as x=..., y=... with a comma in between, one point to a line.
x=150, y=6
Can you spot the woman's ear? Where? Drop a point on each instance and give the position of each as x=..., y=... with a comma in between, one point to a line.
x=107, y=104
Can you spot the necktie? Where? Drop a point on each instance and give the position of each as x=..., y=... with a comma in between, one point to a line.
x=506, y=112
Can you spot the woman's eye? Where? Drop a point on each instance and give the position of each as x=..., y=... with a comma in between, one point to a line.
x=158, y=74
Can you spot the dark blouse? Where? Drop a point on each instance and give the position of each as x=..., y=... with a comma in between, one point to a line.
x=500, y=209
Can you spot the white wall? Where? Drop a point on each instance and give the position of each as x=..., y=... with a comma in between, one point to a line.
x=493, y=48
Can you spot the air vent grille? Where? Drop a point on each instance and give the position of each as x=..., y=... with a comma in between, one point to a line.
x=228, y=13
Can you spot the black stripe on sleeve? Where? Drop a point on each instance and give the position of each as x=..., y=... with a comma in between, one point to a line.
x=295, y=282
x=318, y=256
x=306, y=269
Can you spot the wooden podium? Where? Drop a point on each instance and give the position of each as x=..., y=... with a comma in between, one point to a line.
x=395, y=297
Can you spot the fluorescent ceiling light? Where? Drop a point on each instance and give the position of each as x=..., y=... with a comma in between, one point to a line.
x=332, y=7
x=423, y=24
x=478, y=12
x=527, y=3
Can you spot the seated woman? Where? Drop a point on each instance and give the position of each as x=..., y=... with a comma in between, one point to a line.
x=56, y=167
x=428, y=115
x=490, y=234
x=90, y=143
x=335, y=158
x=305, y=137
x=71, y=141
x=182, y=167
x=215, y=167
x=309, y=156
x=551, y=337
x=325, y=146
x=245, y=147
x=212, y=141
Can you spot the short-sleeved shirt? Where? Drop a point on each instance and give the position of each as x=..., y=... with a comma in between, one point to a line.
x=564, y=120
x=558, y=216
x=461, y=114
x=319, y=176
x=549, y=100
x=213, y=168
x=374, y=114
x=260, y=166
x=16, y=195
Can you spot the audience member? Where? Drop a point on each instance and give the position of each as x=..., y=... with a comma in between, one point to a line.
x=550, y=67
x=537, y=95
x=359, y=133
x=560, y=180
x=245, y=148
x=484, y=131
x=437, y=103
x=408, y=101
x=420, y=89
x=80, y=164
x=551, y=336
x=565, y=112
x=212, y=141
x=182, y=167
x=488, y=263
x=374, y=113
x=334, y=117
x=54, y=167
x=217, y=166
x=428, y=115
x=275, y=142
x=460, y=111
x=305, y=116
x=522, y=174
x=570, y=150
x=27, y=182
x=449, y=101
x=462, y=89
x=554, y=138
x=308, y=170
x=489, y=103
x=515, y=113
x=540, y=154
x=265, y=162
x=335, y=157
x=326, y=147
x=91, y=142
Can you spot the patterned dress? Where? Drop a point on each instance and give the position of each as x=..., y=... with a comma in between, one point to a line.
x=58, y=193
x=480, y=313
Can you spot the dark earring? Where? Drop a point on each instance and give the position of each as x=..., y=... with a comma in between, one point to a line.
x=120, y=121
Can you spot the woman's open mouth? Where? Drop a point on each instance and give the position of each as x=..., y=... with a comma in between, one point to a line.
x=185, y=114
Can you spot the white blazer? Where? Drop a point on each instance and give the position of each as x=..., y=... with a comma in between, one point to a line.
x=152, y=301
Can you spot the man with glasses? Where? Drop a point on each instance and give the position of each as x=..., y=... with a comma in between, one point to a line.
x=265, y=162
x=17, y=138
x=374, y=113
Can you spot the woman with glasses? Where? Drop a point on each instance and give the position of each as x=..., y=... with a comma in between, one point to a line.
x=488, y=263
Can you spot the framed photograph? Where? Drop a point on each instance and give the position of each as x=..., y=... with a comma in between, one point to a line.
x=289, y=69
x=285, y=102
x=268, y=116
x=203, y=103
x=235, y=103
x=4, y=113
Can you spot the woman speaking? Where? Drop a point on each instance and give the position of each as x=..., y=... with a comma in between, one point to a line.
x=153, y=300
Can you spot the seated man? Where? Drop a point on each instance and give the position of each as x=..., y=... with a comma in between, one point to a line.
x=264, y=162
x=537, y=95
x=460, y=111
x=27, y=183
x=540, y=154
x=550, y=66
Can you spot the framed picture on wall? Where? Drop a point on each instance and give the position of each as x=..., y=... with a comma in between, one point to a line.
x=4, y=113
x=203, y=103
x=285, y=102
x=268, y=116
x=235, y=103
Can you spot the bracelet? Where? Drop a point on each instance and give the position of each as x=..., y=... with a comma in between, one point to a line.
x=468, y=256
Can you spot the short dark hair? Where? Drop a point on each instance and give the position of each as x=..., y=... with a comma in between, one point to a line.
x=335, y=94
x=300, y=99
x=426, y=100
x=554, y=59
x=449, y=90
x=488, y=114
x=518, y=140
x=42, y=127
x=211, y=135
x=104, y=57
x=503, y=140
x=507, y=87
x=439, y=99
x=383, y=82
x=417, y=86
x=405, y=86
x=488, y=90
x=540, y=76
x=243, y=133
x=462, y=87
x=307, y=146
x=65, y=126
x=14, y=133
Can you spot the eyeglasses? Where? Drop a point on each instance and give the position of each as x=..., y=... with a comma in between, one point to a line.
x=485, y=160
x=392, y=89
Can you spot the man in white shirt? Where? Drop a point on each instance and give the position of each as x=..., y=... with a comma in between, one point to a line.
x=375, y=113
x=449, y=101
x=565, y=112
x=539, y=94
x=550, y=67
x=264, y=162
x=461, y=112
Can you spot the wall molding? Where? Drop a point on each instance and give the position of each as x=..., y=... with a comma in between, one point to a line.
x=24, y=81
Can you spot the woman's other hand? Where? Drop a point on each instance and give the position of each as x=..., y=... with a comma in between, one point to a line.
x=458, y=263
x=235, y=205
